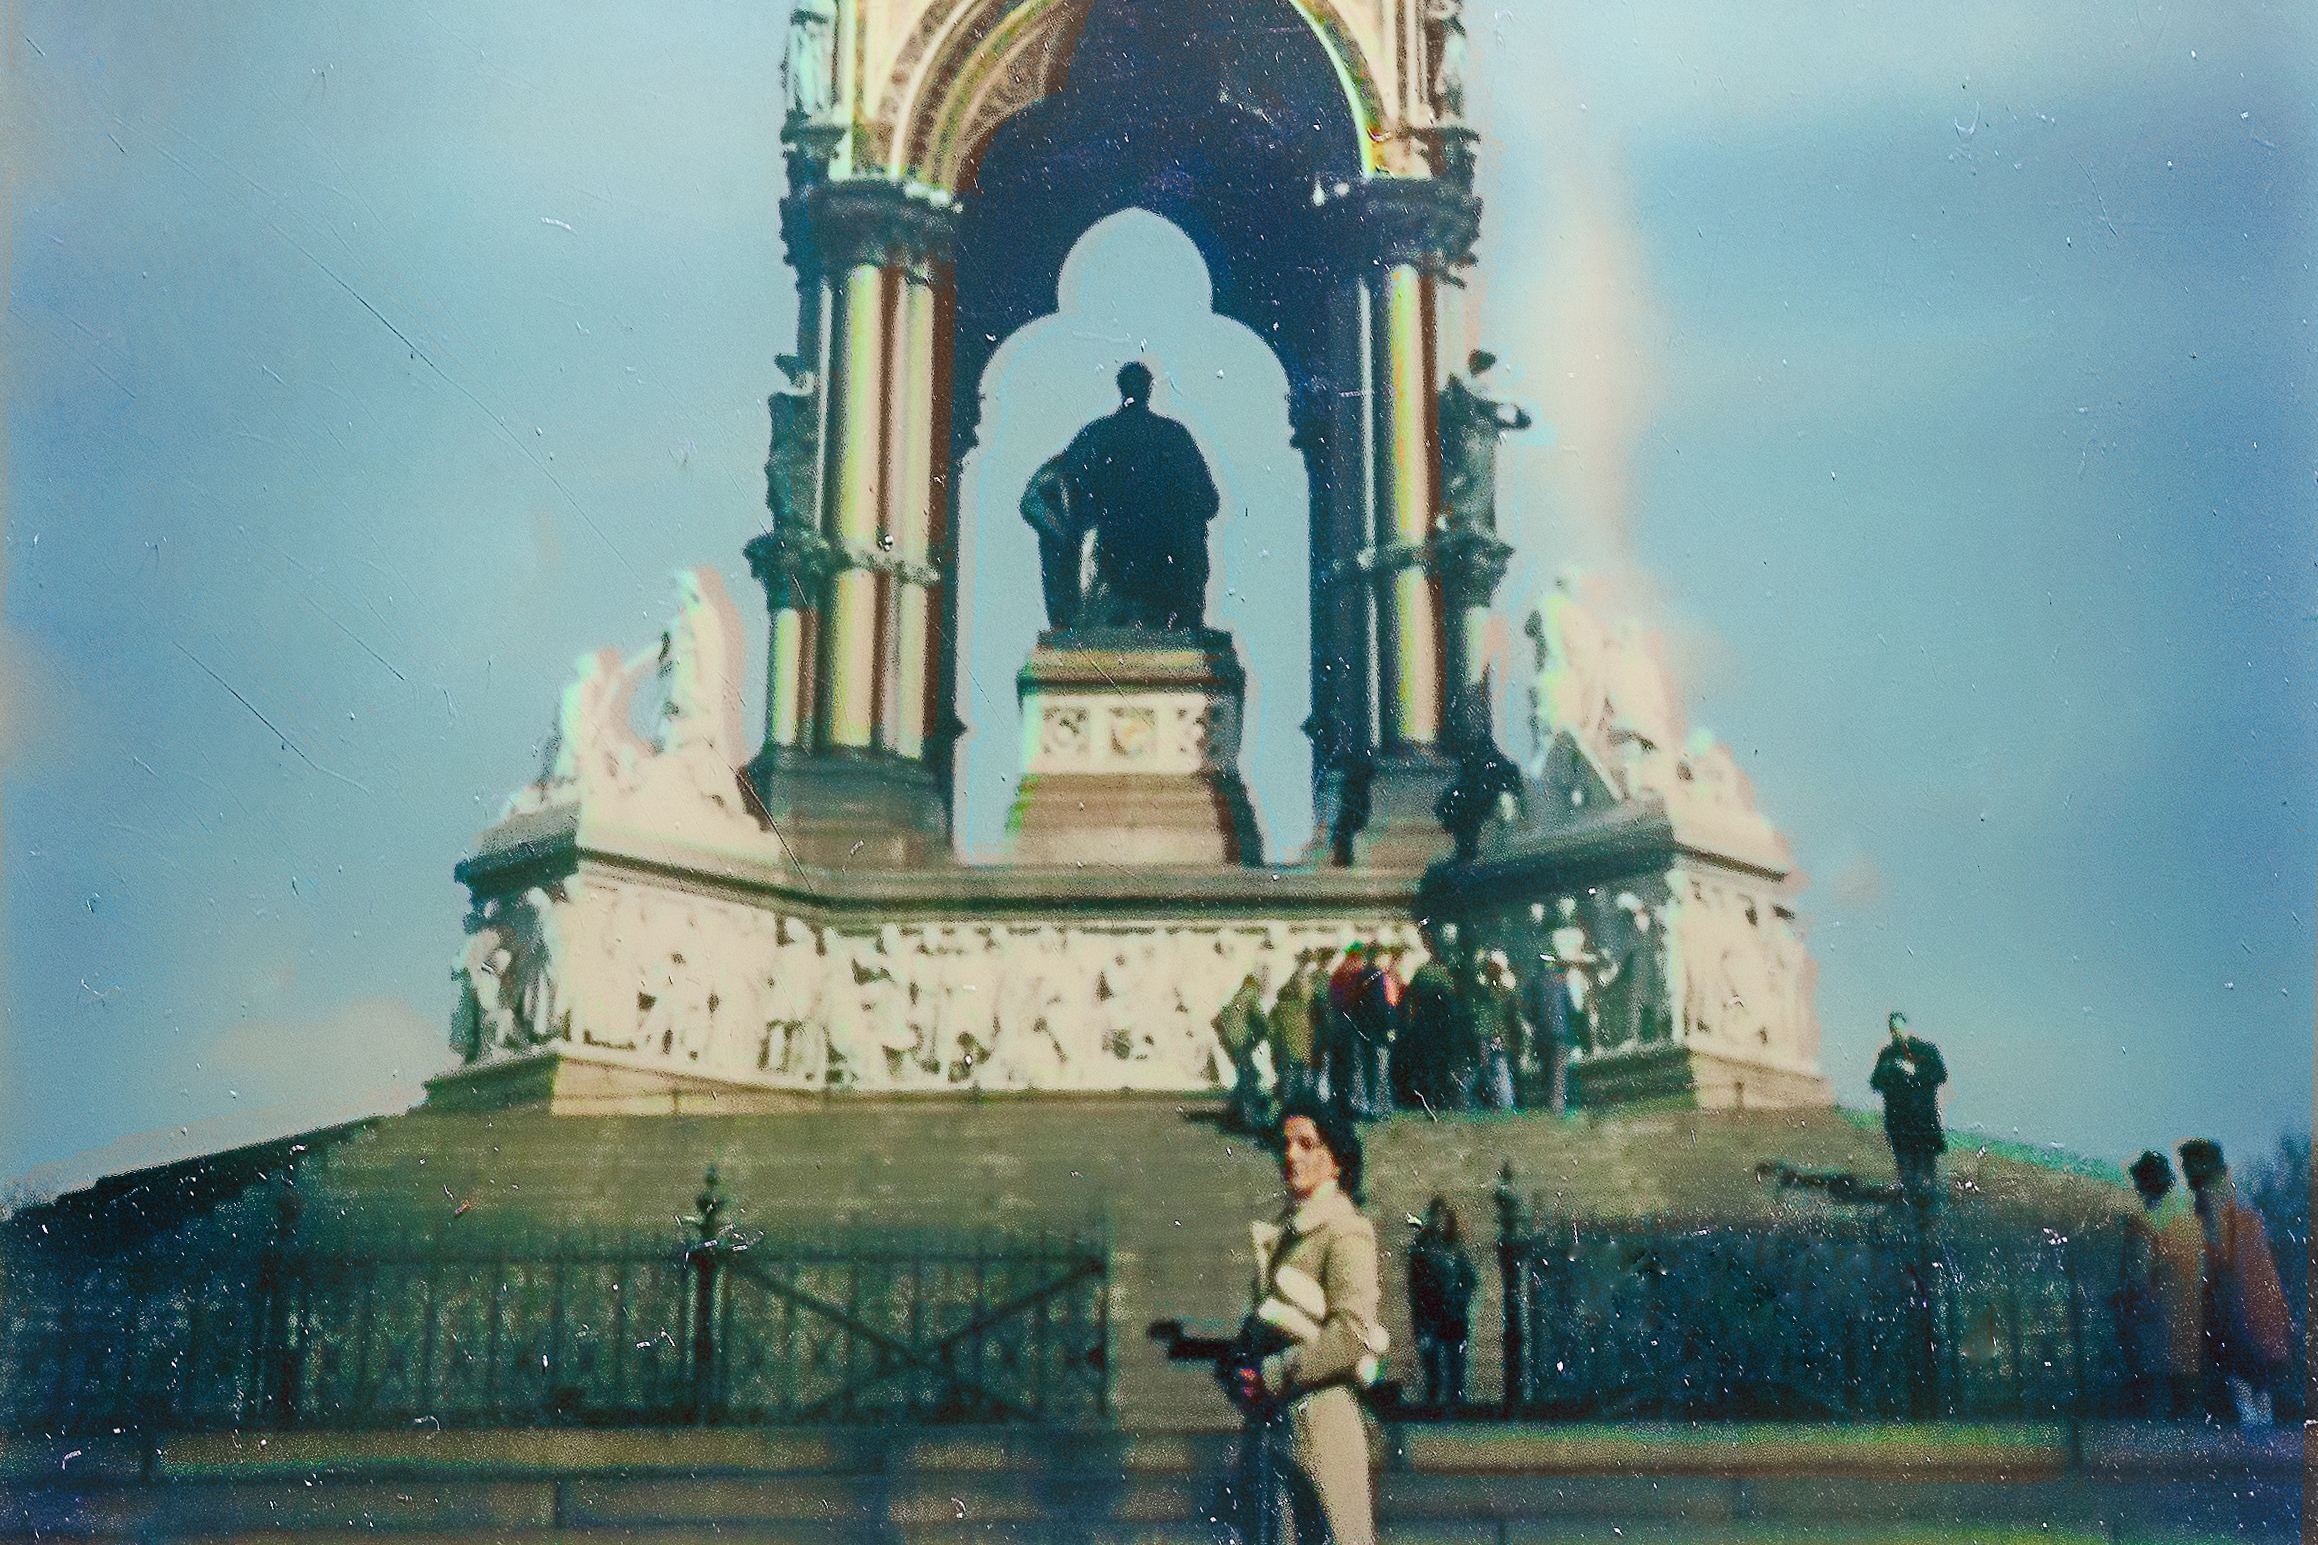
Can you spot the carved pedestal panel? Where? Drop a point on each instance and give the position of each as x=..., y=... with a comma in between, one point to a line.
x=1131, y=752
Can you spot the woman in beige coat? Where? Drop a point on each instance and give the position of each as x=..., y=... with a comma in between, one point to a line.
x=1318, y=1286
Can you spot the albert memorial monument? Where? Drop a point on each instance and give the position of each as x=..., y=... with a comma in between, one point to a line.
x=709, y=904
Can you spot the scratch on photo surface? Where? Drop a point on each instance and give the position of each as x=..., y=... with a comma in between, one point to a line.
x=288, y=744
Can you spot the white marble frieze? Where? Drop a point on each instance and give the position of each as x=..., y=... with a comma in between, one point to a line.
x=1690, y=956
x=644, y=976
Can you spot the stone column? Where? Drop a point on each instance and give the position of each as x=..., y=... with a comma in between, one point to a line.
x=846, y=701
x=857, y=393
x=1403, y=237
x=909, y=524
x=889, y=243
x=791, y=562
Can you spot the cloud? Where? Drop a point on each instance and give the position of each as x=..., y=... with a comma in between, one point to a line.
x=1858, y=884
x=366, y=1057
x=33, y=700
x=363, y=1048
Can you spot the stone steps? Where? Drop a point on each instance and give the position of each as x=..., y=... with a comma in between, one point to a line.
x=1176, y=1190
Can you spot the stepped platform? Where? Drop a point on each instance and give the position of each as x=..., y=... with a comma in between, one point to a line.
x=1176, y=1190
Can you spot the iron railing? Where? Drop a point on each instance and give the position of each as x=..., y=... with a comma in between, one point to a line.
x=1826, y=1318
x=718, y=1327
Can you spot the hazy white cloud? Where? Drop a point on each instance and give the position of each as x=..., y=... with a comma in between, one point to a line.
x=361, y=1047
x=1858, y=884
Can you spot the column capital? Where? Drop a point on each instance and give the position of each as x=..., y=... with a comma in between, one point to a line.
x=1423, y=222
x=790, y=561
x=848, y=222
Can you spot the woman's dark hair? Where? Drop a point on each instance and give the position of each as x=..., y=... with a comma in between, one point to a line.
x=2152, y=1176
x=1338, y=1135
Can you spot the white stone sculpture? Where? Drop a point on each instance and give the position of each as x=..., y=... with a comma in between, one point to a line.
x=808, y=68
x=682, y=781
x=1608, y=694
x=1445, y=35
x=638, y=975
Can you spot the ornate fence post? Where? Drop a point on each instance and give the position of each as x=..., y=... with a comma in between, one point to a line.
x=1513, y=1274
x=1922, y=1321
x=701, y=1255
x=2081, y=1405
x=276, y=1367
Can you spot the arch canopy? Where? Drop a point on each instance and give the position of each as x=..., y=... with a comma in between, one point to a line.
x=1221, y=118
x=964, y=73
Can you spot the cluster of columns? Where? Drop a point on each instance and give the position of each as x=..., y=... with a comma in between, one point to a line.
x=854, y=566
x=1401, y=593
x=857, y=552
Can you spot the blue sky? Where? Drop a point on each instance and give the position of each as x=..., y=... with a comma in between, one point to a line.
x=1937, y=386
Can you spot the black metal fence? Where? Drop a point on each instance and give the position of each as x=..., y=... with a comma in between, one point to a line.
x=1825, y=1318
x=720, y=1328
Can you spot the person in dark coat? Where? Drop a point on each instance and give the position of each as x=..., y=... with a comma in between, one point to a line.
x=1426, y=1045
x=1441, y=1285
x=1347, y=1051
x=1375, y=1022
x=1908, y=1075
x=1139, y=482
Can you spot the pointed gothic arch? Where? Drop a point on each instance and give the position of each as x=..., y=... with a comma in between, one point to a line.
x=963, y=72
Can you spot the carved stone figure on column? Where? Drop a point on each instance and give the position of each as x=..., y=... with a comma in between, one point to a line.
x=808, y=69
x=789, y=463
x=1445, y=42
x=1471, y=422
x=1138, y=481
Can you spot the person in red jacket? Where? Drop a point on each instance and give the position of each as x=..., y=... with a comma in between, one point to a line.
x=2247, y=1332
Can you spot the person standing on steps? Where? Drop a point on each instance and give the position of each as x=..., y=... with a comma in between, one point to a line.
x=1241, y=1027
x=1908, y=1075
x=1290, y=1027
x=1317, y=1285
x=1441, y=1286
x=1347, y=1063
x=2159, y=1303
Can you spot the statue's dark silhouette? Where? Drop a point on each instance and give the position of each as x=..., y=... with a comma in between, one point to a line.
x=1136, y=482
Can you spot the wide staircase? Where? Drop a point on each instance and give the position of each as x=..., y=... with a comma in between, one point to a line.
x=1175, y=1189
x=1175, y=1192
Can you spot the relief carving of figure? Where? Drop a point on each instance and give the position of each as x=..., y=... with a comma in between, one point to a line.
x=1634, y=1002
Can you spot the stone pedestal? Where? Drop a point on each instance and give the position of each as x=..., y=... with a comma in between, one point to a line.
x=844, y=809
x=1401, y=831
x=1131, y=752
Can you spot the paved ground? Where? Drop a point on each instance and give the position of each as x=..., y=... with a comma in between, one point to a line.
x=1479, y=1485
